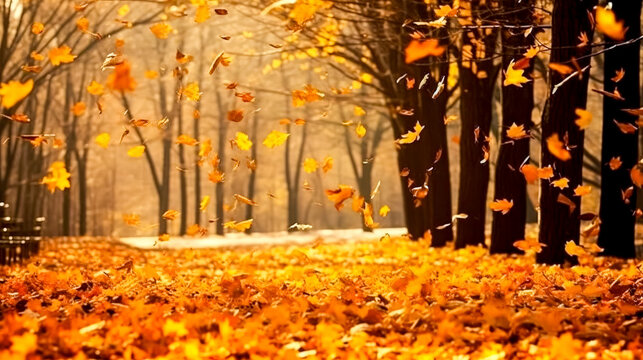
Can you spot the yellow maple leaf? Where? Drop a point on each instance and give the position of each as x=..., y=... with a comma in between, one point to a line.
x=275, y=138
x=203, y=205
x=516, y=132
x=161, y=30
x=202, y=13
x=327, y=164
x=123, y=10
x=136, y=151
x=82, y=24
x=14, y=91
x=102, y=140
x=561, y=183
x=151, y=74
x=419, y=49
x=556, y=148
x=192, y=91
x=573, y=249
x=584, y=118
x=37, y=28
x=502, y=205
x=95, y=88
x=412, y=135
x=216, y=176
x=384, y=210
x=359, y=111
x=514, y=76
x=238, y=226
x=607, y=24
x=531, y=52
x=242, y=141
x=582, y=190
x=57, y=177
x=360, y=130
x=61, y=55
x=185, y=140
x=310, y=165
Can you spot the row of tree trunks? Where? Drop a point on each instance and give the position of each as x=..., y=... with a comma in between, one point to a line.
x=616, y=235
x=517, y=105
x=559, y=208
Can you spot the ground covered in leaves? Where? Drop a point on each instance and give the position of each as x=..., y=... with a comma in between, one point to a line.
x=369, y=300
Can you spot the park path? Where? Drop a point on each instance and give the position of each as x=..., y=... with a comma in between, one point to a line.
x=259, y=239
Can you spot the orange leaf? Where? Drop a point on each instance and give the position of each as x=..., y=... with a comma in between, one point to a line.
x=418, y=49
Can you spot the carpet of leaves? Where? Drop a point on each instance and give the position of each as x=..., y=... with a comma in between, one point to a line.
x=383, y=299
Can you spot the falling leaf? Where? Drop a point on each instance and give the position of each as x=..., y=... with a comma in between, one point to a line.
x=360, y=130
x=121, y=79
x=531, y=52
x=136, y=151
x=412, y=135
x=235, y=115
x=530, y=244
x=185, y=140
x=339, y=195
x=161, y=30
x=203, y=205
x=103, y=140
x=626, y=128
x=502, y=205
x=310, y=165
x=572, y=249
x=61, y=55
x=636, y=174
x=546, y=172
x=218, y=60
x=616, y=95
x=557, y=148
x=151, y=74
x=516, y=132
x=384, y=210
x=327, y=164
x=582, y=190
x=619, y=75
x=308, y=95
x=238, y=226
x=561, y=183
x=37, y=28
x=202, y=13
x=192, y=91
x=584, y=118
x=607, y=24
x=615, y=163
x=170, y=215
x=561, y=68
x=57, y=177
x=514, y=77
x=275, y=138
x=14, y=91
x=245, y=200
x=359, y=111
x=95, y=88
x=530, y=172
x=242, y=141
x=216, y=176
x=418, y=49
x=78, y=109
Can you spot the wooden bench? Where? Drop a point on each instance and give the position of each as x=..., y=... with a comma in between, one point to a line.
x=17, y=242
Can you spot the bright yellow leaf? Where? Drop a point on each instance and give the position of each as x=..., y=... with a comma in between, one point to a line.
x=161, y=30
x=14, y=91
x=242, y=141
x=514, y=76
x=136, y=151
x=310, y=165
x=57, y=177
x=275, y=138
x=61, y=55
x=584, y=118
x=561, y=183
x=607, y=24
x=412, y=135
x=103, y=140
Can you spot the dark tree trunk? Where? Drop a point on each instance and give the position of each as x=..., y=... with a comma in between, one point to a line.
x=197, y=169
x=477, y=80
x=558, y=223
x=221, y=146
x=253, y=172
x=164, y=186
x=82, y=194
x=616, y=236
x=183, y=181
x=517, y=104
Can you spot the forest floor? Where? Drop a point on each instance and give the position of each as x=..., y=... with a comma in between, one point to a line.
x=386, y=299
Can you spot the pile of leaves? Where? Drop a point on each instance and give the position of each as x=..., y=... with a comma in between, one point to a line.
x=385, y=299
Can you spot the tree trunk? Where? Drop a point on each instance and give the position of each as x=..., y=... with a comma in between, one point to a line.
x=616, y=236
x=221, y=146
x=197, y=169
x=477, y=80
x=559, y=222
x=517, y=104
x=183, y=181
x=253, y=172
x=82, y=194
x=164, y=193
